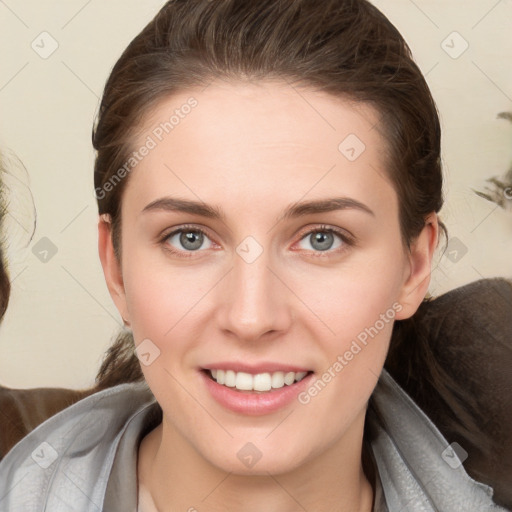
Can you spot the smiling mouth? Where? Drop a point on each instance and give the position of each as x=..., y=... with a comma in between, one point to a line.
x=256, y=383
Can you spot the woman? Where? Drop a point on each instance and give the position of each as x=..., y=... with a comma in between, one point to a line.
x=268, y=180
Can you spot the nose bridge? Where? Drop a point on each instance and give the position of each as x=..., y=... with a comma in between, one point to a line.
x=255, y=302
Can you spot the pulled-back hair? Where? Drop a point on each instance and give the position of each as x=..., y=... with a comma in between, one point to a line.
x=346, y=48
x=5, y=283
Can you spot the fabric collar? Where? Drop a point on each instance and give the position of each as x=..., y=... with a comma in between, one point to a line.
x=85, y=457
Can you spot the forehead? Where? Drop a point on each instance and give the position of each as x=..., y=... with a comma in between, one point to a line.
x=256, y=141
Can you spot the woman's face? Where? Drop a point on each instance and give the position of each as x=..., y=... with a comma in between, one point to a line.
x=301, y=268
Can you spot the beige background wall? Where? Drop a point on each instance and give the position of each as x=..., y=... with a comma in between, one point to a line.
x=61, y=318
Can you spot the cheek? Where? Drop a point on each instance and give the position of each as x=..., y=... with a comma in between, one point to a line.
x=163, y=300
x=357, y=312
x=352, y=298
x=148, y=296
x=355, y=308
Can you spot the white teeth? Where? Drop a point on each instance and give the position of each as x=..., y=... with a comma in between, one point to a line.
x=260, y=382
x=277, y=380
x=289, y=378
x=230, y=379
x=300, y=375
x=243, y=381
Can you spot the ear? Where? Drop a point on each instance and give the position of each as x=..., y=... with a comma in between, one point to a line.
x=417, y=279
x=111, y=266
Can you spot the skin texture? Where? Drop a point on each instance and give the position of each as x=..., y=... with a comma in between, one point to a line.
x=252, y=150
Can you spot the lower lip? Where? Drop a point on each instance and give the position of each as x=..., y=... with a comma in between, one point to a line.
x=254, y=404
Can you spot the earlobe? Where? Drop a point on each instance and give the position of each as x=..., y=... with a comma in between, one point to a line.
x=111, y=266
x=420, y=257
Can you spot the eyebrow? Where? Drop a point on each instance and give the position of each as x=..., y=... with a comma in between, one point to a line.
x=293, y=211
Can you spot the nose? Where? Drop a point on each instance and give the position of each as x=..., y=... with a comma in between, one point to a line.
x=254, y=302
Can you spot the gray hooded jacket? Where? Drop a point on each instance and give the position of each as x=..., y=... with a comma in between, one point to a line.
x=84, y=459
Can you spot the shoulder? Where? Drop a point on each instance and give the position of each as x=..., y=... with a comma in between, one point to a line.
x=71, y=451
x=22, y=410
x=455, y=364
x=471, y=334
x=416, y=464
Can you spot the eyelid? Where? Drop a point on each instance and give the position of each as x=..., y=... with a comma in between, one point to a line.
x=166, y=234
x=183, y=227
x=347, y=238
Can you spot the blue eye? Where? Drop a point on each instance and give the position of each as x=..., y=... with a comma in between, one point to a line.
x=324, y=239
x=187, y=240
x=190, y=239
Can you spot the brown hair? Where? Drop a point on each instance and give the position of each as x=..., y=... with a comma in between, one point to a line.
x=5, y=283
x=14, y=190
x=346, y=48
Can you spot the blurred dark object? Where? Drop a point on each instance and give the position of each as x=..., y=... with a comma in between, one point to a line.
x=22, y=410
x=465, y=384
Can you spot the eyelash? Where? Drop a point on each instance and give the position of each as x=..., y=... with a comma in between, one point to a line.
x=347, y=240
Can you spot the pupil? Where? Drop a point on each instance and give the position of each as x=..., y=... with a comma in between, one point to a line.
x=324, y=239
x=191, y=240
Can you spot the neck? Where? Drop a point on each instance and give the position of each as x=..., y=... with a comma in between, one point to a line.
x=174, y=476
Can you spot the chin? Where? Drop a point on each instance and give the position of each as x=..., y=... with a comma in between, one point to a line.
x=249, y=460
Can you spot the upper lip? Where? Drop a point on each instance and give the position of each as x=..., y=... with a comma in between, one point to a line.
x=266, y=367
